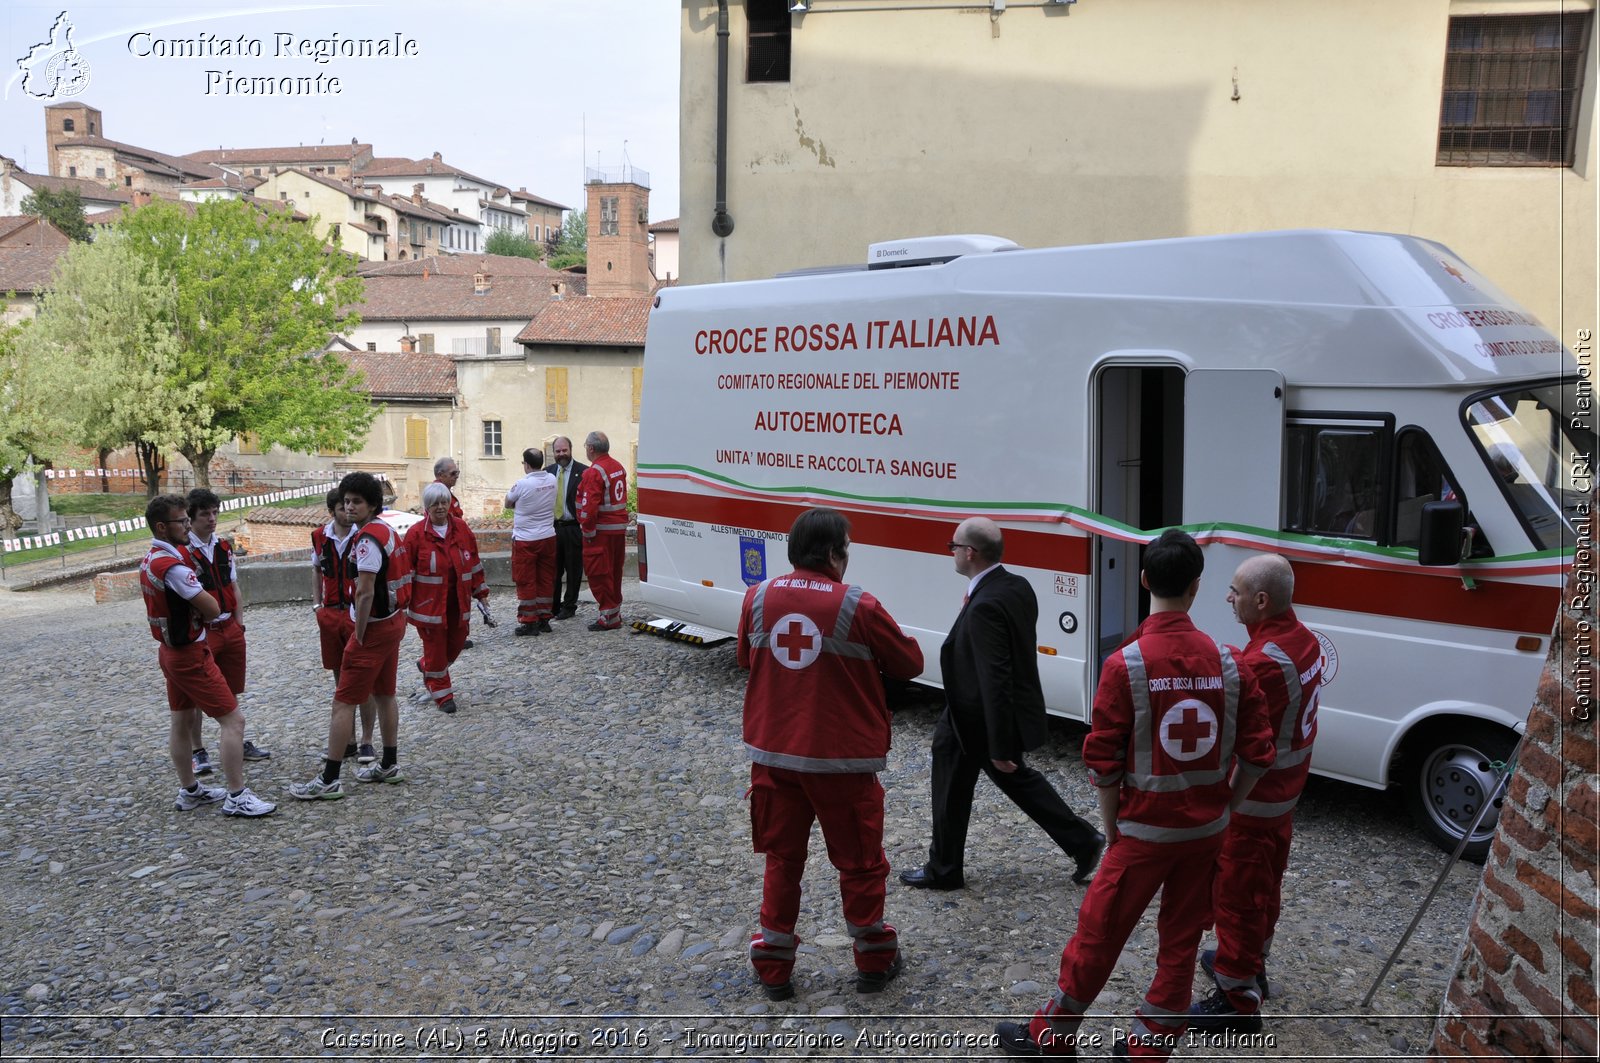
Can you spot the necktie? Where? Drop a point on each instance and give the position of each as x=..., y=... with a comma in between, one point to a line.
x=561, y=492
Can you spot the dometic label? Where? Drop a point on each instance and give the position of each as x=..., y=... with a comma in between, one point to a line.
x=886, y=335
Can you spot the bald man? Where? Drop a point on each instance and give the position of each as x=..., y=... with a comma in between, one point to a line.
x=994, y=711
x=1286, y=660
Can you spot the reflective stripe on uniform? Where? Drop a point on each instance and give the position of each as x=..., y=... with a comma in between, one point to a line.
x=816, y=765
x=1268, y=810
x=423, y=618
x=1146, y=832
x=838, y=643
x=419, y=578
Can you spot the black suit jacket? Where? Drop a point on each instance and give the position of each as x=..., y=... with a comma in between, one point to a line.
x=574, y=474
x=991, y=670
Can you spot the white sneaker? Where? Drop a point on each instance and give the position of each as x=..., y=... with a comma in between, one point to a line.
x=316, y=790
x=245, y=803
x=188, y=800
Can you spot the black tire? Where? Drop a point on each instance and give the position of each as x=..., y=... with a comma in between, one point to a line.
x=1451, y=769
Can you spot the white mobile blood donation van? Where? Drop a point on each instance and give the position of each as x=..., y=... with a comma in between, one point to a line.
x=1366, y=404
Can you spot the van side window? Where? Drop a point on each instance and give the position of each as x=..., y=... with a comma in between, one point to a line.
x=1420, y=477
x=1333, y=479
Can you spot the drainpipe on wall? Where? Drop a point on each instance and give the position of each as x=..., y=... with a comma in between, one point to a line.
x=721, y=220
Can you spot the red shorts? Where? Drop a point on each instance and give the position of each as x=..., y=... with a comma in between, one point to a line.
x=335, y=627
x=369, y=668
x=193, y=681
x=227, y=649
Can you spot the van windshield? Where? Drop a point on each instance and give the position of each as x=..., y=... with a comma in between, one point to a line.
x=1539, y=443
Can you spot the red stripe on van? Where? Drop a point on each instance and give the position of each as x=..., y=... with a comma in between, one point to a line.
x=1492, y=604
x=1057, y=553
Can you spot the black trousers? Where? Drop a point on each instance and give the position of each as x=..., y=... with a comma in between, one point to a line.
x=569, y=566
x=955, y=776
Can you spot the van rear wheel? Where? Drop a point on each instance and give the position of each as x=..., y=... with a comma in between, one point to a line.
x=1454, y=770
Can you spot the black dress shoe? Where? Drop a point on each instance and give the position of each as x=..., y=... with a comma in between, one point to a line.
x=875, y=981
x=566, y=614
x=921, y=878
x=526, y=629
x=1088, y=860
x=1015, y=1040
x=544, y=626
x=778, y=992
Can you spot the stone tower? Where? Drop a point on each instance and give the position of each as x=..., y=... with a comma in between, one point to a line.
x=63, y=121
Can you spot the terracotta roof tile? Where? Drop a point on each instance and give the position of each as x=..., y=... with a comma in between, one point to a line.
x=618, y=321
x=25, y=230
x=463, y=266
x=668, y=226
x=399, y=375
x=392, y=166
x=528, y=197
x=28, y=270
x=441, y=296
x=147, y=158
x=87, y=189
x=302, y=153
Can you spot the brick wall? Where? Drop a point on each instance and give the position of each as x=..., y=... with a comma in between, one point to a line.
x=1525, y=987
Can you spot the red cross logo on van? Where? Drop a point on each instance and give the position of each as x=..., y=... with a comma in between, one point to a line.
x=1188, y=730
x=796, y=641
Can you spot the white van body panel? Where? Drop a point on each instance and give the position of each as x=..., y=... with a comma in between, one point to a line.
x=1085, y=398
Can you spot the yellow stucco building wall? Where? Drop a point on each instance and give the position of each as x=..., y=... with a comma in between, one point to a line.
x=1111, y=120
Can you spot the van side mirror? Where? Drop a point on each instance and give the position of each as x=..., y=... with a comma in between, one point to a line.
x=1439, y=540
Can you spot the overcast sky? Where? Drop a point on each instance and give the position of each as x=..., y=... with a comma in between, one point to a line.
x=522, y=92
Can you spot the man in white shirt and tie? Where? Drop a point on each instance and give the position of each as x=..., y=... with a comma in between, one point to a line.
x=569, y=538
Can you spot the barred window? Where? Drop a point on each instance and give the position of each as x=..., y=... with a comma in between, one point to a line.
x=767, y=57
x=1511, y=89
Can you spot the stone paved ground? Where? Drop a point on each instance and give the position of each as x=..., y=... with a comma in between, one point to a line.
x=566, y=871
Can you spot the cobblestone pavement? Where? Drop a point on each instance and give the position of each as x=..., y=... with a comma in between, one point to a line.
x=567, y=871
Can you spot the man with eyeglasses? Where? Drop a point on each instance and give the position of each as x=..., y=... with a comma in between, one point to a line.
x=994, y=712
x=447, y=472
x=178, y=610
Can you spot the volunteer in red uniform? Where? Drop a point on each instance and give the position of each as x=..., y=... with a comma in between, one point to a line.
x=603, y=518
x=446, y=574
x=332, y=594
x=817, y=729
x=532, y=501
x=213, y=564
x=178, y=609
x=1286, y=660
x=379, y=567
x=1171, y=714
x=447, y=472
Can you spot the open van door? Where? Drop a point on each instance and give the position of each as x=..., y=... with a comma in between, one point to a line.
x=1232, y=474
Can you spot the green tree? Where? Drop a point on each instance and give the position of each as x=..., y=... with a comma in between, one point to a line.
x=506, y=242
x=99, y=365
x=255, y=302
x=572, y=249
x=63, y=209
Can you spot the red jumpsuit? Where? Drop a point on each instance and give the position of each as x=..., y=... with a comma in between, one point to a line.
x=446, y=574
x=603, y=518
x=224, y=635
x=1286, y=660
x=817, y=729
x=1170, y=715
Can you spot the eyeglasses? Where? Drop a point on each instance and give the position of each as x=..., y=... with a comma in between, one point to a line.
x=953, y=546
x=180, y=520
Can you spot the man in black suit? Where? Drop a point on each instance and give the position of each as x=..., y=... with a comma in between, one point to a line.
x=569, y=537
x=994, y=711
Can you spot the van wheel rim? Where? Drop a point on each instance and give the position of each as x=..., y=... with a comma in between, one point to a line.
x=1455, y=783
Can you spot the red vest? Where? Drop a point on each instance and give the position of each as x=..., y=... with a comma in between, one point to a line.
x=330, y=564
x=603, y=498
x=391, y=590
x=173, y=620
x=216, y=575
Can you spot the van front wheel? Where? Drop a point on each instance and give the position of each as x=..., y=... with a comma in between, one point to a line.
x=1454, y=770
